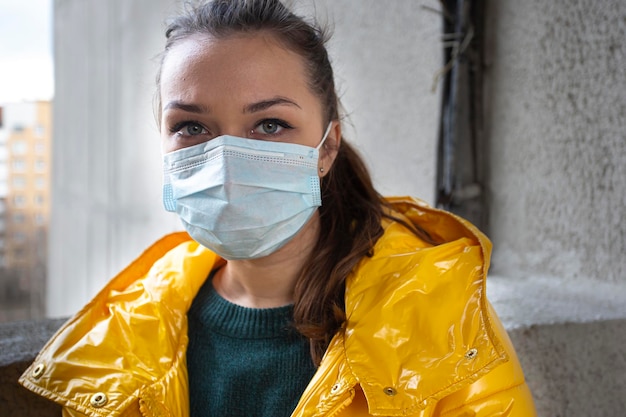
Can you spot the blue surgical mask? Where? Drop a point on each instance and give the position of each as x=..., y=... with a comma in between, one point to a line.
x=243, y=198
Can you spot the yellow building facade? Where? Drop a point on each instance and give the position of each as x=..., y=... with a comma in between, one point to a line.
x=25, y=161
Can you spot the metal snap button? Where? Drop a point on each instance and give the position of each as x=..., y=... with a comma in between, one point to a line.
x=39, y=370
x=98, y=400
x=471, y=354
x=390, y=391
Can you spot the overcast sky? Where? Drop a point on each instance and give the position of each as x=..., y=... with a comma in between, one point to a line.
x=26, y=69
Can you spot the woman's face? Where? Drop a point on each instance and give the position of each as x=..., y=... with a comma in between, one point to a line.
x=246, y=85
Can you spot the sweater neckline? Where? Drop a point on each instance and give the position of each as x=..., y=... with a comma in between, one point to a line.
x=219, y=315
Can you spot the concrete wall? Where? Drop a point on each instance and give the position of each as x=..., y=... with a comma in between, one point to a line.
x=19, y=343
x=385, y=55
x=107, y=170
x=557, y=89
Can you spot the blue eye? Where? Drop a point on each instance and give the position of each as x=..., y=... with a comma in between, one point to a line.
x=194, y=129
x=188, y=128
x=271, y=127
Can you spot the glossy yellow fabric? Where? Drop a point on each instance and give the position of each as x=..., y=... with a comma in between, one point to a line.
x=420, y=339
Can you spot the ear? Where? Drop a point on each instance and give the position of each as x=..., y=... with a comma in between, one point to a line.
x=329, y=149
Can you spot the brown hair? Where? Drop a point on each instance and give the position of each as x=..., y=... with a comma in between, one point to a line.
x=351, y=210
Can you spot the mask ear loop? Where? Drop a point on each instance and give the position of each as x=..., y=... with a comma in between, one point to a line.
x=318, y=147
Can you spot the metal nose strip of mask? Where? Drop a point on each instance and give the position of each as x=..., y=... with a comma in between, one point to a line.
x=253, y=151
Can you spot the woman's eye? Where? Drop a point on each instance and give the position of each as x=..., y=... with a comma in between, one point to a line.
x=271, y=127
x=194, y=129
x=189, y=129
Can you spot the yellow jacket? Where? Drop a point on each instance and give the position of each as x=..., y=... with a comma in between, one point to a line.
x=420, y=338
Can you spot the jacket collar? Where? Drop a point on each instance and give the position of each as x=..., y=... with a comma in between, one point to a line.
x=126, y=348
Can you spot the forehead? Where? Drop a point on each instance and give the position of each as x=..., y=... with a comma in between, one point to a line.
x=238, y=64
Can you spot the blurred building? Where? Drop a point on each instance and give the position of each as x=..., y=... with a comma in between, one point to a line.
x=25, y=136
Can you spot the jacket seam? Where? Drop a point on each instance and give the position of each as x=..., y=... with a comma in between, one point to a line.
x=66, y=402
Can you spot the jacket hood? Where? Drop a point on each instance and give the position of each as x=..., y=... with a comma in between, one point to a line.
x=417, y=317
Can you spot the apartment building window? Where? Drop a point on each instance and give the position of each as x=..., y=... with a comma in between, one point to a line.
x=40, y=219
x=39, y=200
x=40, y=148
x=19, y=200
x=19, y=254
x=19, y=182
x=19, y=218
x=19, y=147
x=19, y=237
x=40, y=183
x=19, y=165
x=40, y=165
x=40, y=131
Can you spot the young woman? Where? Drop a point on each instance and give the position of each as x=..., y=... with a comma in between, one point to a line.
x=297, y=289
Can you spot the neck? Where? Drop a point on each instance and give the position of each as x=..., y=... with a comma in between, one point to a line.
x=268, y=282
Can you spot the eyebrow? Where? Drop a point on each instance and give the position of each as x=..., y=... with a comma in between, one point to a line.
x=266, y=104
x=191, y=108
x=250, y=108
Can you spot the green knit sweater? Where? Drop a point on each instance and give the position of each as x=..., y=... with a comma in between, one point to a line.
x=244, y=361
